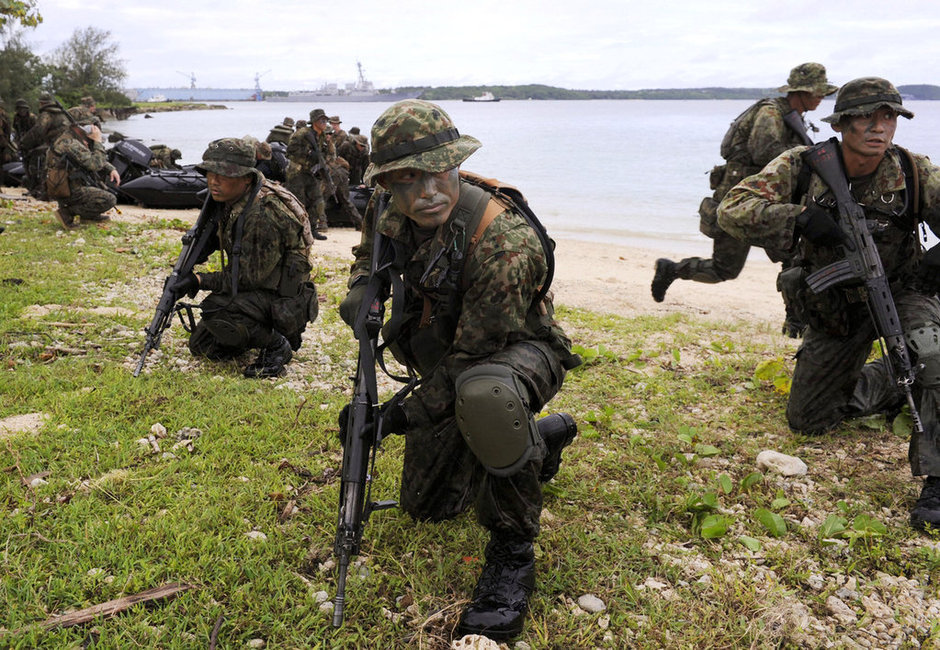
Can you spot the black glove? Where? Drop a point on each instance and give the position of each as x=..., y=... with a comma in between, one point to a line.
x=186, y=286
x=817, y=225
x=928, y=273
x=349, y=308
x=395, y=422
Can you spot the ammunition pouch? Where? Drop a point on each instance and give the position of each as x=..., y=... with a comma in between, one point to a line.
x=708, y=217
x=789, y=283
x=716, y=175
x=57, y=183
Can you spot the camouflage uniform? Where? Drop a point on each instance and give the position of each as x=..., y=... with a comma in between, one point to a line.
x=275, y=298
x=832, y=380
x=303, y=180
x=356, y=152
x=86, y=162
x=7, y=149
x=281, y=132
x=23, y=120
x=759, y=135
x=164, y=157
x=459, y=313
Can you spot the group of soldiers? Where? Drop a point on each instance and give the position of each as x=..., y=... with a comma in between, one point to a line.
x=768, y=193
x=63, y=156
x=316, y=159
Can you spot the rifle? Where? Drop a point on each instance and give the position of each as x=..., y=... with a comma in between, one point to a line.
x=364, y=429
x=321, y=165
x=795, y=122
x=195, y=242
x=862, y=262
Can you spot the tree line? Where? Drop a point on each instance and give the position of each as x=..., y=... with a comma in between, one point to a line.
x=86, y=64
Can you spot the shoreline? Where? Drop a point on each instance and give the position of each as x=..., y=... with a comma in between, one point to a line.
x=599, y=277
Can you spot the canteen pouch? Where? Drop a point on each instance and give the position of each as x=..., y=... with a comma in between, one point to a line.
x=708, y=217
x=57, y=183
x=716, y=175
x=789, y=283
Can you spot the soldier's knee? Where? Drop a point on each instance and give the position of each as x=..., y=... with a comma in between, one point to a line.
x=494, y=419
x=924, y=344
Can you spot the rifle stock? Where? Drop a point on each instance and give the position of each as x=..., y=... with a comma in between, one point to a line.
x=195, y=241
x=862, y=262
x=795, y=123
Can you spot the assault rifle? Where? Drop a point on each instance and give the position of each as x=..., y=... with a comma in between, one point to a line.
x=795, y=122
x=364, y=427
x=195, y=242
x=862, y=262
x=320, y=165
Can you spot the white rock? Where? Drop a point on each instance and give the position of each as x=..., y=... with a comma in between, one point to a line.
x=256, y=535
x=327, y=607
x=36, y=482
x=321, y=597
x=158, y=430
x=474, y=642
x=256, y=643
x=781, y=463
x=591, y=603
x=842, y=612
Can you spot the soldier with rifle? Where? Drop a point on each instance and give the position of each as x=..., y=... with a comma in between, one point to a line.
x=310, y=153
x=76, y=164
x=851, y=210
x=766, y=129
x=262, y=296
x=468, y=268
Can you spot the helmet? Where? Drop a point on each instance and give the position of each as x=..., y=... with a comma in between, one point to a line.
x=808, y=77
x=863, y=96
x=415, y=134
x=232, y=157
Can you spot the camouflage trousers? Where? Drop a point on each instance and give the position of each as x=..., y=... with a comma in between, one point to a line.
x=727, y=261
x=441, y=477
x=230, y=326
x=309, y=190
x=88, y=202
x=832, y=381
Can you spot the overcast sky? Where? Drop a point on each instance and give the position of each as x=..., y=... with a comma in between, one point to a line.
x=591, y=44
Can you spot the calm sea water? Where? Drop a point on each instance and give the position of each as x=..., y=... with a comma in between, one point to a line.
x=621, y=171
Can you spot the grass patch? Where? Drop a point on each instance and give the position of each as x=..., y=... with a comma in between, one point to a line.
x=658, y=509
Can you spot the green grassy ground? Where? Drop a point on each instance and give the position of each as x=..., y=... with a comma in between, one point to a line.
x=659, y=508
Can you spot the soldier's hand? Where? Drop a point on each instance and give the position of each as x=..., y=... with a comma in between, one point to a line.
x=817, y=225
x=350, y=305
x=394, y=420
x=186, y=286
x=928, y=272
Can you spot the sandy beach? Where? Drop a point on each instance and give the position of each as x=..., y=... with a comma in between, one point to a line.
x=606, y=278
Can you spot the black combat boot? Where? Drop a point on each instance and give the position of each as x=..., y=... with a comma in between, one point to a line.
x=557, y=430
x=664, y=276
x=501, y=598
x=927, y=509
x=66, y=217
x=271, y=360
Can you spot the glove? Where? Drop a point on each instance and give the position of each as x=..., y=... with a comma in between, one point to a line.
x=395, y=422
x=186, y=286
x=350, y=305
x=817, y=225
x=928, y=273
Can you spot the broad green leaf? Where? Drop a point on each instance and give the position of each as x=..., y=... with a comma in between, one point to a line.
x=868, y=525
x=833, y=526
x=777, y=504
x=782, y=384
x=773, y=522
x=751, y=543
x=714, y=526
x=767, y=370
x=724, y=482
x=706, y=451
x=751, y=479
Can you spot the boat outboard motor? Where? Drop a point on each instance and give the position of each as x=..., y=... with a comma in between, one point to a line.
x=130, y=156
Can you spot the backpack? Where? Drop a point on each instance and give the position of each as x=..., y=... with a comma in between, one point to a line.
x=740, y=130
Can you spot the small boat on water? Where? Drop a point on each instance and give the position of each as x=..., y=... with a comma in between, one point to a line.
x=487, y=96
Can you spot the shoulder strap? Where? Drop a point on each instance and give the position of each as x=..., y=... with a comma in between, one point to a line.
x=911, y=184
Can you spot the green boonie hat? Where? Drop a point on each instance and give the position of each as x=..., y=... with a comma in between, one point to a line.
x=232, y=157
x=865, y=95
x=84, y=116
x=288, y=121
x=45, y=99
x=808, y=77
x=334, y=119
x=415, y=134
x=22, y=103
x=316, y=114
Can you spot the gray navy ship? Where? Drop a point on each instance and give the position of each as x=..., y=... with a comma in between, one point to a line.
x=361, y=91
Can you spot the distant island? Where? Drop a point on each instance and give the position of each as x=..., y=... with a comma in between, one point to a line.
x=538, y=91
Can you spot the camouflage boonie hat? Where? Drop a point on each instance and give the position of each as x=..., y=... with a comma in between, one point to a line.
x=300, y=124
x=288, y=121
x=84, y=116
x=415, y=134
x=88, y=101
x=865, y=95
x=316, y=114
x=45, y=99
x=334, y=119
x=22, y=103
x=808, y=77
x=232, y=157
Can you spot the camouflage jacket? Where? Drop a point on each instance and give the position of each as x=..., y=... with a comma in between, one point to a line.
x=84, y=157
x=761, y=212
x=50, y=124
x=6, y=136
x=22, y=124
x=272, y=248
x=358, y=160
x=490, y=307
x=765, y=137
x=300, y=150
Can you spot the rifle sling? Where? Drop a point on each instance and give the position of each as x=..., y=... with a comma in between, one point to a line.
x=239, y=230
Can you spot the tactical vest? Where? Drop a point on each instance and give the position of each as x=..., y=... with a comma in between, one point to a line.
x=443, y=281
